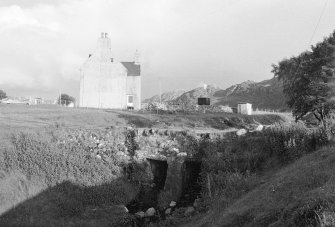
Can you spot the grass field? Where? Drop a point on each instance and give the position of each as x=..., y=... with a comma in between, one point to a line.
x=14, y=118
x=22, y=116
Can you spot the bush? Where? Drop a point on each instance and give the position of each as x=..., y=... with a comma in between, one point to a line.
x=130, y=141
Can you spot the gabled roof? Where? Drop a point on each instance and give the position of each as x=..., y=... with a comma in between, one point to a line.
x=132, y=68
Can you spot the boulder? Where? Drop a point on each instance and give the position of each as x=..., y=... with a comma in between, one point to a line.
x=196, y=203
x=173, y=204
x=168, y=211
x=140, y=214
x=189, y=211
x=175, y=150
x=259, y=128
x=116, y=209
x=125, y=209
x=182, y=154
x=150, y=212
x=241, y=132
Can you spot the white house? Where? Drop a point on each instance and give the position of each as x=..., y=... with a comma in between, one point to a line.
x=106, y=83
x=244, y=108
x=36, y=101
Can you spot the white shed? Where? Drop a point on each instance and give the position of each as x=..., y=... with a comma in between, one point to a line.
x=244, y=108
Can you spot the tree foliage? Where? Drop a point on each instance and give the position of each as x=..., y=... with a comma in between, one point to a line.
x=308, y=80
x=65, y=99
x=2, y=94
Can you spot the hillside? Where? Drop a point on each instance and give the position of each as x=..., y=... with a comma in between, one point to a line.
x=192, y=96
x=300, y=194
x=266, y=94
x=166, y=96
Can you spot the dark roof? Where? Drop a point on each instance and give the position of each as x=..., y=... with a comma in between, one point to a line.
x=132, y=68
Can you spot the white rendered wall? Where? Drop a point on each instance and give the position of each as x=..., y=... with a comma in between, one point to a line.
x=103, y=86
x=244, y=108
x=134, y=88
x=104, y=83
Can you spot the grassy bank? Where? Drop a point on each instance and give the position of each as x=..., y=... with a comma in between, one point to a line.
x=282, y=176
x=301, y=194
x=55, y=176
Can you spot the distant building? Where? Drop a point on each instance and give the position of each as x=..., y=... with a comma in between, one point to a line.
x=106, y=83
x=204, y=101
x=15, y=100
x=49, y=101
x=71, y=104
x=36, y=101
x=244, y=108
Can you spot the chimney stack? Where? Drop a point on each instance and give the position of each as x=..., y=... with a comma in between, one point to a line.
x=137, y=58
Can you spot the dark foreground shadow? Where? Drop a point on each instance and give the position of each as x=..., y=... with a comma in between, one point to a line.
x=68, y=204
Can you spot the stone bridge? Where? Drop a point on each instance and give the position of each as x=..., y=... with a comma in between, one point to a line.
x=173, y=168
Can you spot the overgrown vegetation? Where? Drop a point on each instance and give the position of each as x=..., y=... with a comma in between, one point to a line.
x=76, y=172
x=257, y=151
x=219, y=121
x=235, y=166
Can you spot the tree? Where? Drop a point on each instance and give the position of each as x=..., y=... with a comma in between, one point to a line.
x=308, y=80
x=65, y=99
x=2, y=94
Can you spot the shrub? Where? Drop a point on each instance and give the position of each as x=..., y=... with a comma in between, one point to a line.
x=130, y=141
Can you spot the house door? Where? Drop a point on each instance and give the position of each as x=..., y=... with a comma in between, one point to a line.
x=130, y=102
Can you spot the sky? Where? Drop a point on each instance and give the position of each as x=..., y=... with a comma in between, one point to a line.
x=183, y=43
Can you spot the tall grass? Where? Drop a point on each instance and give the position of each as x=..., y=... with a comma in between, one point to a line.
x=76, y=169
x=231, y=167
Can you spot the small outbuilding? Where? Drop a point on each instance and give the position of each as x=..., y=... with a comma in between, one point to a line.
x=36, y=101
x=244, y=108
x=204, y=101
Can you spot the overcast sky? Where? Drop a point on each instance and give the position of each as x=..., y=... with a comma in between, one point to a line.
x=183, y=43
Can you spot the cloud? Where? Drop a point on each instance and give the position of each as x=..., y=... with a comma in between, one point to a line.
x=44, y=43
x=14, y=17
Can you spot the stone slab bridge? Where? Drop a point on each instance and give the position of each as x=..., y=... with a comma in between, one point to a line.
x=173, y=168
